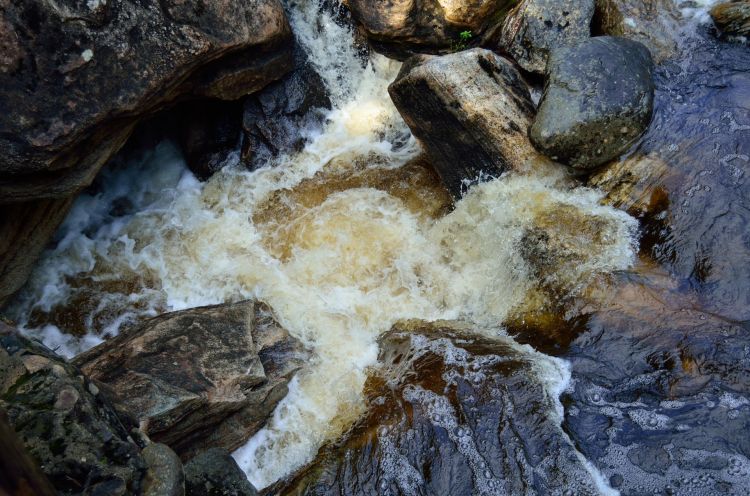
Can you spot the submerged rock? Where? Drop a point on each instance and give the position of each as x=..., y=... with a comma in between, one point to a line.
x=597, y=101
x=732, y=18
x=471, y=111
x=655, y=23
x=401, y=27
x=66, y=425
x=453, y=410
x=535, y=27
x=215, y=473
x=199, y=378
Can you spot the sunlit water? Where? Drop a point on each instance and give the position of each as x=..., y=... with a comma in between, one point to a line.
x=338, y=268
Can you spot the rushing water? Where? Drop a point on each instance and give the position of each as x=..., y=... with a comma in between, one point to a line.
x=330, y=237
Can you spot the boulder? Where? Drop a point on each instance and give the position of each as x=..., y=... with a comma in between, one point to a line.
x=732, y=18
x=471, y=111
x=199, y=378
x=452, y=410
x=655, y=23
x=403, y=27
x=164, y=476
x=598, y=99
x=535, y=27
x=687, y=179
x=65, y=423
x=77, y=76
x=215, y=473
x=276, y=119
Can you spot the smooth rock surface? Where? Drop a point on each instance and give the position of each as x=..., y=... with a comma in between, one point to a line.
x=215, y=473
x=598, y=99
x=471, y=111
x=164, y=476
x=535, y=27
x=66, y=424
x=199, y=378
x=453, y=410
x=401, y=27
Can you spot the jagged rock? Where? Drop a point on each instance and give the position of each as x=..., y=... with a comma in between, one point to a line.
x=598, y=99
x=687, y=180
x=535, y=27
x=402, y=27
x=655, y=23
x=215, y=473
x=77, y=76
x=199, y=378
x=64, y=422
x=452, y=411
x=275, y=119
x=471, y=111
x=732, y=18
x=164, y=476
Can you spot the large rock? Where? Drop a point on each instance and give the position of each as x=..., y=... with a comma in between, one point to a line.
x=77, y=76
x=535, y=27
x=215, y=473
x=65, y=423
x=687, y=179
x=401, y=27
x=732, y=18
x=164, y=476
x=199, y=378
x=655, y=23
x=471, y=111
x=453, y=410
x=597, y=101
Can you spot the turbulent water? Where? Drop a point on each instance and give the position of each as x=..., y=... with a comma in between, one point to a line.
x=334, y=238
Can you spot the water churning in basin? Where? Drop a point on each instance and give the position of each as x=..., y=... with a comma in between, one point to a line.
x=335, y=238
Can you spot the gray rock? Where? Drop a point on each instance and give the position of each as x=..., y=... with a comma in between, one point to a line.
x=199, y=378
x=215, y=473
x=164, y=476
x=535, y=27
x=66, y=425
x=597, y=101
x=471, y=111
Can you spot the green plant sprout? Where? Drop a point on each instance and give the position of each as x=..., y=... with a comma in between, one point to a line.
x=462, y=43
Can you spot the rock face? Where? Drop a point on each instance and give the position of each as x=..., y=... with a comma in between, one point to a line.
x=406, y=26
x=597, y=100
x=452, y=412
x=65, y=423
x=77, y=76
x=655, y=23
x=275, y=119
x=733, y=18
x=535, y=27
x=471, y=111
x=199, y=378
x=215, y=473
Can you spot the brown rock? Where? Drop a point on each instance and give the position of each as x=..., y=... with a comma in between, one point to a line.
x=733, y=18
x=199, y=378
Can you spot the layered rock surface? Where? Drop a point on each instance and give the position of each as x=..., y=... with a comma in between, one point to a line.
x=199, y=378
x=471, y=111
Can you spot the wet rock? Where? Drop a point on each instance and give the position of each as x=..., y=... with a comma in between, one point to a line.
x=199, y=378
x=71, y=431
x=732, y=18
x=687, y=178
x=402, y=27
x=208, y=132
x=164, y=476
x=215, y=473
x=655, y=23
x=454, y=410
x=471, y=111
x=597, y=101
x=276, y=119
x=660, y=390
x=535, y=27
